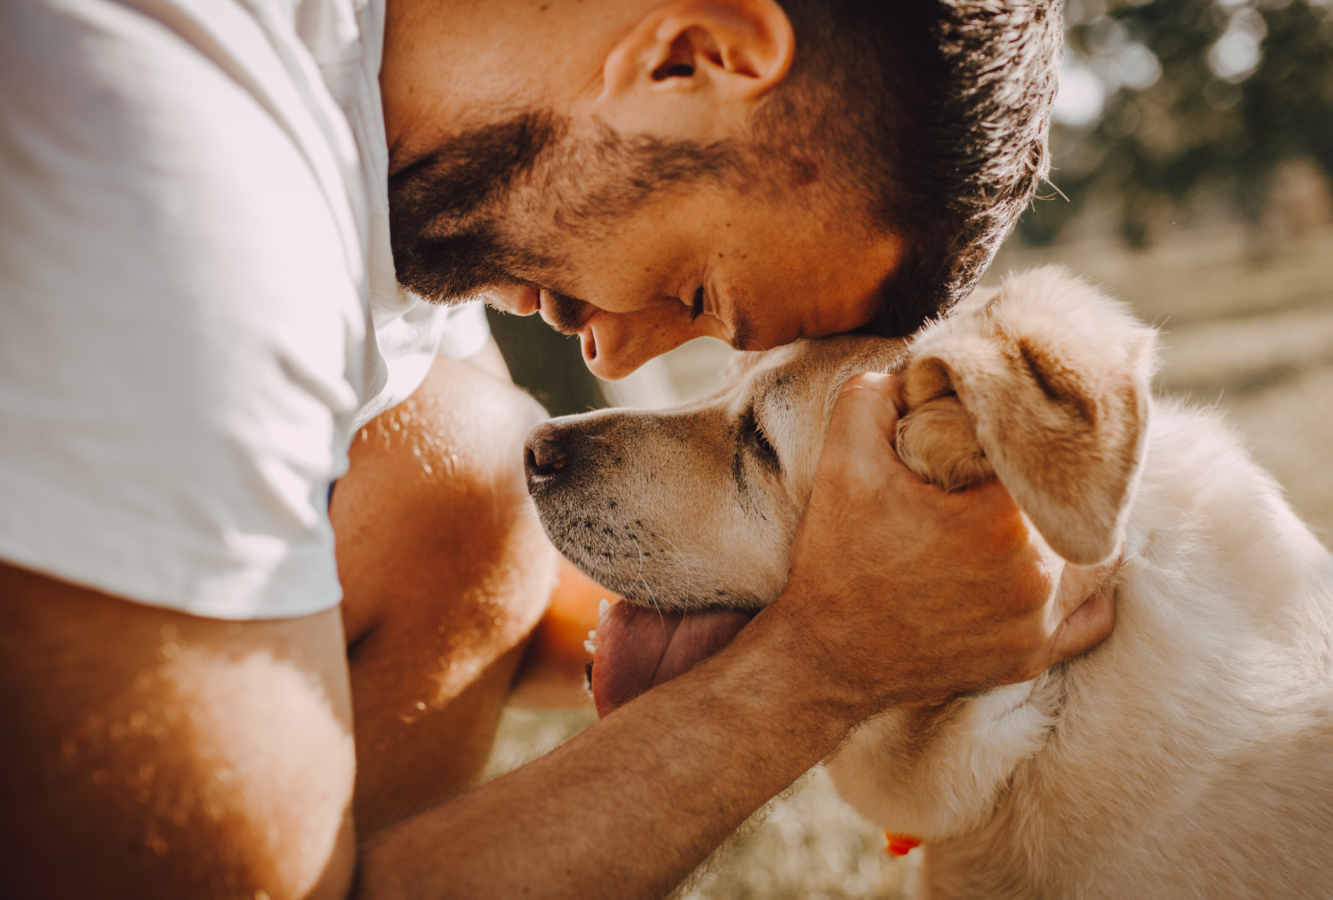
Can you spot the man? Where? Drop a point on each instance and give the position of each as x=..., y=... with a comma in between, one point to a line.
x=201, y=319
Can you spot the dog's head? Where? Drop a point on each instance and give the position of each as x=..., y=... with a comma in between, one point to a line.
x=697, y=506
x=1043, y=383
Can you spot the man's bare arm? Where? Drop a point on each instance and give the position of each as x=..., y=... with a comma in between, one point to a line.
x=152, y=754
x=147, y=753
x=938, y=596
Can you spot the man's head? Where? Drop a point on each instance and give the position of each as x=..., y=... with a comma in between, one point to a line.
x=736, y=168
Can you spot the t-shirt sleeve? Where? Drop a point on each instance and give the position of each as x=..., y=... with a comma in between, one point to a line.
x=180, y=322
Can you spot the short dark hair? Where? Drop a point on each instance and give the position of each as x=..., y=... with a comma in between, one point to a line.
x=935, y=113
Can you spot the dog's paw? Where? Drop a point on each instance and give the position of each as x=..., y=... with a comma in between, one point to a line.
x=937, y=442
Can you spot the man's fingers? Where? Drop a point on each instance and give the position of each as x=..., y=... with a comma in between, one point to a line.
x=862, y=430
x=1077, y=583
x=868, y=397
x=1084, y=628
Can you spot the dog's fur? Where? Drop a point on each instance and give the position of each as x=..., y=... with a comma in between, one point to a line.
x=1189, y=756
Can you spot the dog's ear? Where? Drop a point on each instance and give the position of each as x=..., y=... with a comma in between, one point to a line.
x=1053, y=379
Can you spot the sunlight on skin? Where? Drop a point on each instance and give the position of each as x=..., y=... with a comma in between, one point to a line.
x=759, y=267
x=767, y=267
x=237, y=747
x=181, y=756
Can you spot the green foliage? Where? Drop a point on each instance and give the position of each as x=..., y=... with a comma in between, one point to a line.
x=1196, y=96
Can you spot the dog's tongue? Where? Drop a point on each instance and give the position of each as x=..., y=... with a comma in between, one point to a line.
x=639, y=648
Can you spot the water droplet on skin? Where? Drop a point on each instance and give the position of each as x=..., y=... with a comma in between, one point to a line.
x=421, y=705
x=170, y=650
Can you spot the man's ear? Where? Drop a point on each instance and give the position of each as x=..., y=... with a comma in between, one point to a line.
x=696, y=57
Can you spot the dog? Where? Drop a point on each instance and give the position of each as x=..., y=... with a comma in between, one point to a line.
x=1188, y=756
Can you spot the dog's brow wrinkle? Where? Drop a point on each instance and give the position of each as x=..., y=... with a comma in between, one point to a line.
x=738, y=474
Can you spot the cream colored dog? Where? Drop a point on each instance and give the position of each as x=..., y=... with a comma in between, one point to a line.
x=1189, y=756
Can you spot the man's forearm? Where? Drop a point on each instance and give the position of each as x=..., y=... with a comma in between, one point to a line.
x=630, y=806
x=952, y=597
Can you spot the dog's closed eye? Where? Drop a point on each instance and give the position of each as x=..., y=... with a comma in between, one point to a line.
x=753, y=437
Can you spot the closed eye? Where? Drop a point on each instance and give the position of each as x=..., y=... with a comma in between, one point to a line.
x=753, y=435
x=697, y=307
x=762, y=440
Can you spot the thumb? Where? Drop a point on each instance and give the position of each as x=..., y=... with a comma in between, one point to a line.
x=1086, y=627
x=867, y=399
x=864, y=425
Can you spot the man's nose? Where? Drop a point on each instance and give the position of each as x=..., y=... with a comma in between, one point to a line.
x=615, y=344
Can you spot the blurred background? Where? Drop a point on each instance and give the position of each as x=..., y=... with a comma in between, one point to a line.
x=1192, y=158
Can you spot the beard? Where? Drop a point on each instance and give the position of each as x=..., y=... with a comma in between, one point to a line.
x=472, y=213
x=445, y=209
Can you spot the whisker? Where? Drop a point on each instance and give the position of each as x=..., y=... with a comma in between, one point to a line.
x=689, y=576
x=646, y=586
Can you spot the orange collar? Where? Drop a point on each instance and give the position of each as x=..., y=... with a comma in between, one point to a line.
x=900, y=844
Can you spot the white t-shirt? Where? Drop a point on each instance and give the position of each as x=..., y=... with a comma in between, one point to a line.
x=199, y=304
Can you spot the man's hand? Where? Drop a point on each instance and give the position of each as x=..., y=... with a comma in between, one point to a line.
x=908, y=595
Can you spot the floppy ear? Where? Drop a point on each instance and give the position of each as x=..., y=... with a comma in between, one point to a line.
x=1045, y=383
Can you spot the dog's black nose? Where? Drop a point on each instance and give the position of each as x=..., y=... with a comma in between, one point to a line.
x=547, y=456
